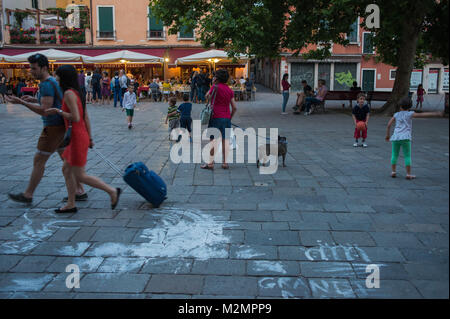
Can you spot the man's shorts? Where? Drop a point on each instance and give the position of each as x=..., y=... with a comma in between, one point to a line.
x=174, y=123
x=51, y=139
x=130, y=112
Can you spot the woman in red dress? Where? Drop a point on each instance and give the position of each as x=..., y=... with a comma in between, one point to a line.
x=75, y=155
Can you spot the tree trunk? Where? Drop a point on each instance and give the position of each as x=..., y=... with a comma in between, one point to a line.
x=406, y=59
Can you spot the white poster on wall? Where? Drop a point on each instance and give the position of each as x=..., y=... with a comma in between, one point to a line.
x=445, y=81
x=433, y=77
x=416, y=79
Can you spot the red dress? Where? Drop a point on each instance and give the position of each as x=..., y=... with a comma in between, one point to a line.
x=76, y=152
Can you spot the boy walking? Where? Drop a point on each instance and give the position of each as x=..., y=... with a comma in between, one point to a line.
x=361, y=115
x=185, y=110
x=173, y=116
x=129, y=103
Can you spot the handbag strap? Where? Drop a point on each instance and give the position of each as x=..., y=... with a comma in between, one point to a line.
x=213, y=98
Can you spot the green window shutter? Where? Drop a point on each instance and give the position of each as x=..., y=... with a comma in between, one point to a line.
x=105, y=18
x=368, y=45
x=186, y=33
x=155, y=24
x=353, y=35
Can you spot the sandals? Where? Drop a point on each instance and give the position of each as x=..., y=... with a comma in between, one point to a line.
x=393, y=174
x=410, y=177
x=66, y=211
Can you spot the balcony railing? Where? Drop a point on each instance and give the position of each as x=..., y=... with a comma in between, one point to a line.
x=156, y=35
x=106, y=35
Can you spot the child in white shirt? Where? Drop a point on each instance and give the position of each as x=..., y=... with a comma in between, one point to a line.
x=129, y=103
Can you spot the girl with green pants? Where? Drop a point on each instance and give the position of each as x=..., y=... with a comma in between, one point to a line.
x=401, y=139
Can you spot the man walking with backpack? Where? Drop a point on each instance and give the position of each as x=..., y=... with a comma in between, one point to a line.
x=117, y=90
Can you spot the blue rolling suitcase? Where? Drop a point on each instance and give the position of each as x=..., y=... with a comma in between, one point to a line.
x=145, y=182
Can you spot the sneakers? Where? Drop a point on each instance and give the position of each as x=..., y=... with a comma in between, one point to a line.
x=355, y=145
x=20, y=198
x=130, y=126
x=364, y=145
x=283, y=113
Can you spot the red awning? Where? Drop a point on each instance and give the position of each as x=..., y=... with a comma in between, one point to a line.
x=175, y=53
x=88, y=52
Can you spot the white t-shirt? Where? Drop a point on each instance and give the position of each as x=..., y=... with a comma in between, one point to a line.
x=87, y=81
x=403, y=126
x=129, y=100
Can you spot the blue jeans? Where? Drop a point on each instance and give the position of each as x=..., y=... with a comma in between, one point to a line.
x=193, y=94
x=201, y=95
x=310, y=101
x=96, y=92
x=117, y=96
x=285, y=100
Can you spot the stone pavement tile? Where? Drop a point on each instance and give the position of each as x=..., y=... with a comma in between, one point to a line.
x=8, y=261
x=234, y=236
x=61, y=249
x=434, y=240
x=324, y=269
x=58, y=284
x=286, y=216
x=33, y=264
x=167, y=266
x=313, y=238
x=5, y=221
x=394, y=271
x=352, y=238
x=352, y=226
x=253, y=252
x=272, y=268
x=111, y=222
x=432, y=289
x=402, y=218
x=167, y=296
x=121, y=265
x=331, y=288
x=114, y=234
x=428, y=271
x=272, y=205
x=426, y=255
x=381, y=254
x=230, y=286
x=140, y=223
x=244, y=205
x=271, y=237
x=275, y=226
x=302, y=225
x=43, y=295
x=331, y=207
x=393, y=228
x=354, y=208
x=113, y=283
x=11, y=212
x=292, y=253
x=130, y=214
x=305, y=207
x=425, y=228
x=253, y=216
x=86, y=264
x=64, y=234
x=243, y=225
x=399, y=240
x=176, y=284
x=204, y=206
x=283, y=287
x=317, y=217
x=219, y=267
x=389, y=289
x=24, y=282
x=84, y=234
x=107, y=295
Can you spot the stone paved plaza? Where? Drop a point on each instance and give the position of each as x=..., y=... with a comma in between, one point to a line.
x=308, y=231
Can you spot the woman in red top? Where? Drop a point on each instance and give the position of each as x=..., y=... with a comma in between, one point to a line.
x=75, y=155
x=286, y=86
x=221, y=115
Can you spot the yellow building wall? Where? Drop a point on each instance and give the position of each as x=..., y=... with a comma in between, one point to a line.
x=65, y=3
x=131, y=25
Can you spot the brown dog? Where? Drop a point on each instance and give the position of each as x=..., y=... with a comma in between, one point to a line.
x=269, y=149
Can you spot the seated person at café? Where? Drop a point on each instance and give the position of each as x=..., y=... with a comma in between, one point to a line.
x=316, y=100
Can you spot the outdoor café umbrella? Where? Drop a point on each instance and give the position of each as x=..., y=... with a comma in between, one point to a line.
x=211, y=56
x=51, y=54
x=124, y=56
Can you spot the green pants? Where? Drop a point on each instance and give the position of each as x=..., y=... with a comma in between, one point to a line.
x=406, y=146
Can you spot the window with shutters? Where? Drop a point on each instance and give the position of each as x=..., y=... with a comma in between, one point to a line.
x=155, y=27
x=352, y=37
x=186, y=33
x=105, y=19
x=367, y=43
